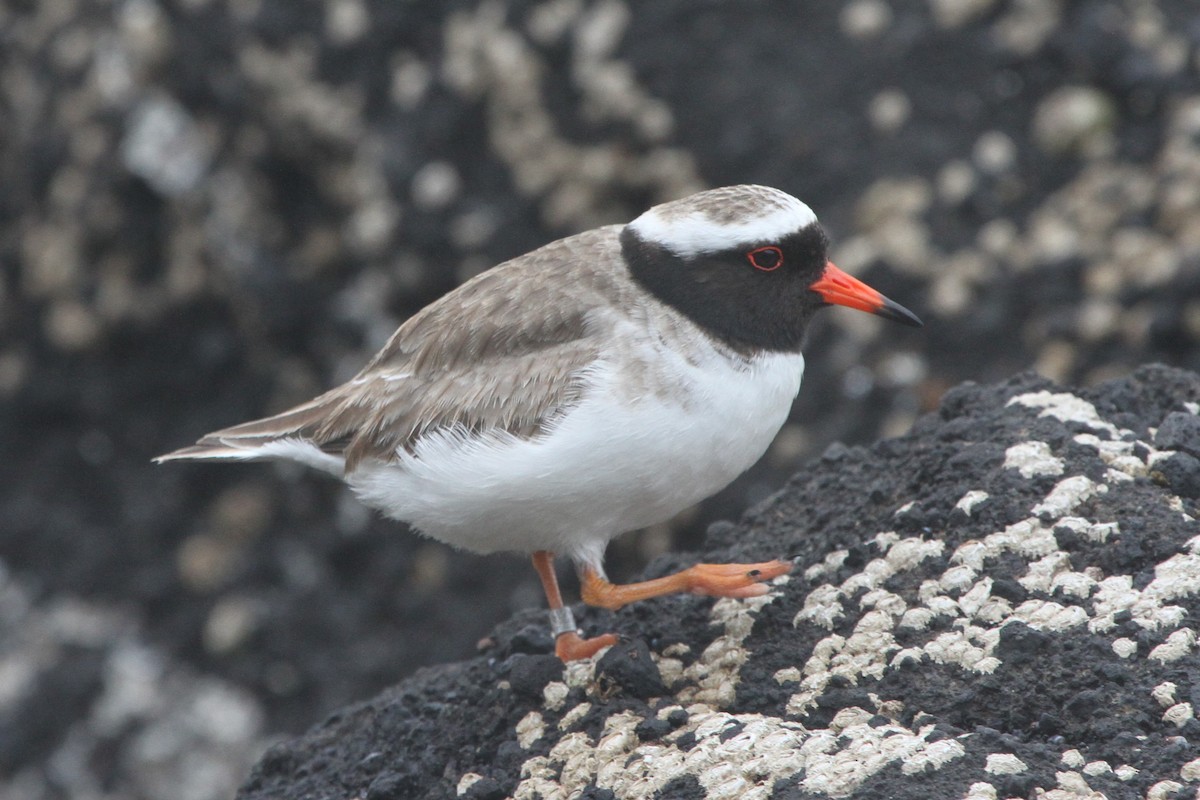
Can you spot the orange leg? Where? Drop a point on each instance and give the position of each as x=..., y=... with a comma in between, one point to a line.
x=718, y=580
x=568, y=644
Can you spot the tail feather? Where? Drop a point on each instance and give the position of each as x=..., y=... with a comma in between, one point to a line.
x=288, y=435
x=293, y=422
x=203, y=452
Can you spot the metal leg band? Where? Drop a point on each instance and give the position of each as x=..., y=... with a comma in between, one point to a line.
x=562, y=621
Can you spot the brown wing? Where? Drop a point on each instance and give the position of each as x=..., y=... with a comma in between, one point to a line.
x=506, y=351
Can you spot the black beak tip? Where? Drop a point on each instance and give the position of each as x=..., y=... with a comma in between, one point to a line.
x=898, y=313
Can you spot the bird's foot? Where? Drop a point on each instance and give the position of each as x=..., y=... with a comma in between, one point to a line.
x=570, y=646
x=716, y=580
x=735, y=580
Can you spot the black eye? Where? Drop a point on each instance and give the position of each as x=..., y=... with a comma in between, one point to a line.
x=766, y=258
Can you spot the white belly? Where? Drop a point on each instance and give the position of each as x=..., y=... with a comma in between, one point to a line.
x=618, y=461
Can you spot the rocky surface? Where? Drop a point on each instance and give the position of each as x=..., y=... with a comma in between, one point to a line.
x=212, y=208
x=1001, y=603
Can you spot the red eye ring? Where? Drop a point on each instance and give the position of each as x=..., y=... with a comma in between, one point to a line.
x=767, y=259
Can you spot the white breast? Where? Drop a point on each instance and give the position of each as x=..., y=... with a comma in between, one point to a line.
x=631, y=454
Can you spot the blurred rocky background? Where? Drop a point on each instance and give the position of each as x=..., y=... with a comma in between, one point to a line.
x=211, y=209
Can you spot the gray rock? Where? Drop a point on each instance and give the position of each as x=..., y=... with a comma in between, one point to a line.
x=1180, y=430
x=992, y=652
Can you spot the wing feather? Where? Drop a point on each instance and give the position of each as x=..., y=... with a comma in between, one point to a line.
x=507, y=351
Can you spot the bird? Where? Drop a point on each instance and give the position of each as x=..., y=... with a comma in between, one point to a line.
x=596, y=385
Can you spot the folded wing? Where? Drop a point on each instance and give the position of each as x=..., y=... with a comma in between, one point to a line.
x=507, y=351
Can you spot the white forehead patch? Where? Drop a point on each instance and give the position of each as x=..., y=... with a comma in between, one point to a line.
x=721, y=219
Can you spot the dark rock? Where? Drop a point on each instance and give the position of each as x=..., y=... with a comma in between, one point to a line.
x=532, y=639
x=485, y=789
x=685, y=741
x=652, y=729
x=730, y=731
x=628, y=668
x=597, y=793
x=1179, y=431
x=1015, y=785
x=279, y=760
x=372, y=764
x=685, y=787
x=390, y=787
x=1021, y=644
x=528, y=675
x=679, y=717
x=1027, y=678
x=1009, y=589
x=1181, y=472
x=1086, y=703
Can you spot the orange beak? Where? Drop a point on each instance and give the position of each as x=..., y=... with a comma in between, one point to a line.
x=839, y=289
